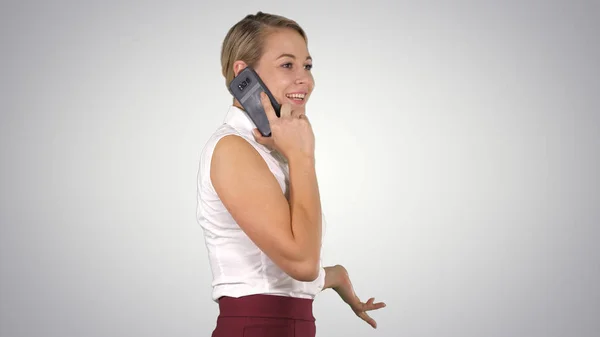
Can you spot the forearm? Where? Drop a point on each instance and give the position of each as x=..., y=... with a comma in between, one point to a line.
x=305, y=208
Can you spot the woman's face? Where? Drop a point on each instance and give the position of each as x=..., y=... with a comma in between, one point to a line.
x=285, y=68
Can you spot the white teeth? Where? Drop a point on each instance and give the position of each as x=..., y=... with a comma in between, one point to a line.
x=298, y=96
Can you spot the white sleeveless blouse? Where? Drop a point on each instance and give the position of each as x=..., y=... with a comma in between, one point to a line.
x=238, y=266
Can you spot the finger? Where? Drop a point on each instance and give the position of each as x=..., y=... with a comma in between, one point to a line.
x=266, y=103
x=301, y=116
x=297, y=112
x=286, y=110
x=304, y=118
x=365, y=317
x=371, y=305
x=260, y=138
x=375, y=306
x=257, y=136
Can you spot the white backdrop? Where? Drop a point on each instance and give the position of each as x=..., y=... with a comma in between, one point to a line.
x=458, y=151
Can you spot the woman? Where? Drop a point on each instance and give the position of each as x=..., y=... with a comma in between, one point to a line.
x=258, y=197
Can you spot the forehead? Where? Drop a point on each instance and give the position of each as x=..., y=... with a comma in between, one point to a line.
x=285, y=41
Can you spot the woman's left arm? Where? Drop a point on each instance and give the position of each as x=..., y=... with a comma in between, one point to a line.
x=337, y=278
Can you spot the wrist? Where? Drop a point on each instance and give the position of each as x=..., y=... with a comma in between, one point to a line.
x=333, y=275
x=301, y=159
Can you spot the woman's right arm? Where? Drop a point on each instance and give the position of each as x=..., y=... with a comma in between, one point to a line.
x=289, y=233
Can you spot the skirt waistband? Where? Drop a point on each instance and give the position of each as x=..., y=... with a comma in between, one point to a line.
x=266, y=306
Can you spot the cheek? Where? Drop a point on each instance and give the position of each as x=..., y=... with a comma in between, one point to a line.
x=278, y=92
x=311, y=84
x=271, y=80
x=282, y=85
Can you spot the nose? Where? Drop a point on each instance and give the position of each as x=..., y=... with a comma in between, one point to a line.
x=302, y=77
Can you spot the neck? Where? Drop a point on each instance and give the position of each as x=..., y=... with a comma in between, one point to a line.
x=238, y=105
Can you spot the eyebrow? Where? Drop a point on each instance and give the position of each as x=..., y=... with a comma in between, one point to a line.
x=292, y=56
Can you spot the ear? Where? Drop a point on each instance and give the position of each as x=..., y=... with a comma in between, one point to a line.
x=238, y=66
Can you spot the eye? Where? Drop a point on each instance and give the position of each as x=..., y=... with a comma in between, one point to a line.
x=289, y=65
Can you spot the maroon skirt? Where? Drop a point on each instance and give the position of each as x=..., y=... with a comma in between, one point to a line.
x=265, y=316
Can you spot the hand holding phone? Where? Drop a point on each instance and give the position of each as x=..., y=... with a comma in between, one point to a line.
x=246, y=87
x=291, y=132
x=279, y=127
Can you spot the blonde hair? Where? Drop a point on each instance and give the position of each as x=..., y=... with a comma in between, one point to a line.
x=244, y=41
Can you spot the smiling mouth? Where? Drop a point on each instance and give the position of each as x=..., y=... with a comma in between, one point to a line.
x=296, y=97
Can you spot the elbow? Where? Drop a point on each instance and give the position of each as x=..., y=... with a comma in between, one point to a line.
x=306, y=271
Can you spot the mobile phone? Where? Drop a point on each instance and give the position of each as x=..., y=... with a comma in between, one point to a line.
x=246, y=88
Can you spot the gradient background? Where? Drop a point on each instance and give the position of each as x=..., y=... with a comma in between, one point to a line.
x=458, y=154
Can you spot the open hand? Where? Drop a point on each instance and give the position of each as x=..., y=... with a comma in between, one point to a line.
x=343, y=286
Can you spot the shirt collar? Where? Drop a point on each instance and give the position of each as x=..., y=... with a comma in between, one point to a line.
x=240, y=121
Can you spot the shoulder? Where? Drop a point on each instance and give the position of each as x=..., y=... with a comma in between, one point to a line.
x=215, y=141
x=234, y=154
x=233, y=144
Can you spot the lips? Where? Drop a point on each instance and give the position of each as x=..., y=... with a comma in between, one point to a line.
x=297, y=98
